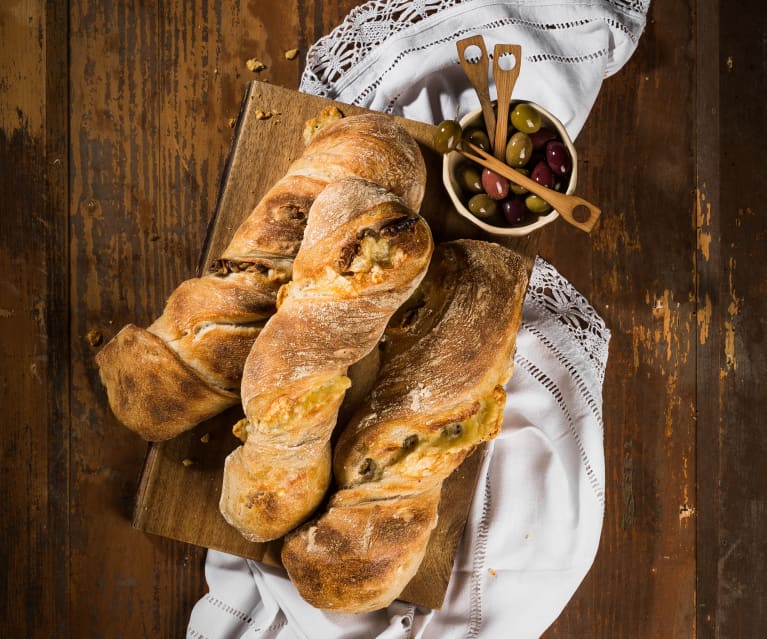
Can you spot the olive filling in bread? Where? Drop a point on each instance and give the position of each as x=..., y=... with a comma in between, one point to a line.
x=187, y=366
x=439, y=394
x=363, y=254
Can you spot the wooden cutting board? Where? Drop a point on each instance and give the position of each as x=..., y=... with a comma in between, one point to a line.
x=180, y=485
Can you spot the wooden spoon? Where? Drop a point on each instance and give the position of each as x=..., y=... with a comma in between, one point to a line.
x=476, y=71
x=575, y=210
x=505, y=79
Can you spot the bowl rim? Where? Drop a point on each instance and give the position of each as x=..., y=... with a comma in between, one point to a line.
x=449, y=160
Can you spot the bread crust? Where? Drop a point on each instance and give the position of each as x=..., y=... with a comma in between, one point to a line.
x=210, y=322
x=364, y=252
x=448, y=352
x=155, y=398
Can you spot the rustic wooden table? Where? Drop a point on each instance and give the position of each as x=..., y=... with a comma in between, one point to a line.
x=114, y=129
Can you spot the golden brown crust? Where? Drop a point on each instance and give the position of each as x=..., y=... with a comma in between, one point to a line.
x=257, y=490
x=358, y=263
x=370, y=146
x=438, y=395
x=210, y=322
x=357, y=548
x=161, y=391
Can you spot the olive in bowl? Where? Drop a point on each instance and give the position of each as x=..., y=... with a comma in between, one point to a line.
x=537, y=145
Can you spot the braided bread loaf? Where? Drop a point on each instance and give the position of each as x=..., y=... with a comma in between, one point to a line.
x=438, y=395
x=364, y=253
x=186, y=367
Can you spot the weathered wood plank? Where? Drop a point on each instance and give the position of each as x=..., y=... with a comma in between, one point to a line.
x=638, y=271
x=122, y=584
x=732, y=228
x=34, y=337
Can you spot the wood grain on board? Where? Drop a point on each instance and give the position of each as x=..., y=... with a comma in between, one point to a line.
x=180, y=487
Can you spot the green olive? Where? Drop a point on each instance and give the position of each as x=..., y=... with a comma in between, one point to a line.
x=482, y=205
x=519, y=149
x=478, y=137
x=447, y=136
x=537, y=205
x=525, y=118
x=470, y=178
x=516, y=188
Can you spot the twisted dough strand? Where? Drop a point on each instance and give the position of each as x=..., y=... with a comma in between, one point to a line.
x=438, y=395
x=364, y=253
x=186, y=367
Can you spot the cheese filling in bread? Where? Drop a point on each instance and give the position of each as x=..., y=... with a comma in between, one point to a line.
x=419, y=456
x=438, y=395
x=163, y=380
x=363, y=254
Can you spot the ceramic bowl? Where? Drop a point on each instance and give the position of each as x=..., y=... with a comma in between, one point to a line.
x=452, y=160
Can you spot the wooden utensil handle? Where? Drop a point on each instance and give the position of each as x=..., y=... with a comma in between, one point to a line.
x=505, y=79
x=477, y=72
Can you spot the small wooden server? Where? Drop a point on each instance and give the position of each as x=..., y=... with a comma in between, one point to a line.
x=180, y=486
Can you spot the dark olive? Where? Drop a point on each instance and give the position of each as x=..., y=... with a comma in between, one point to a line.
x=410, y=442
x=368, y=469
x=558, y=158
x=447, y=136
x=540, y=137
x=478, y=137
x=543, y=174
x=514, y=210
x=452, y=431
x=482, y=205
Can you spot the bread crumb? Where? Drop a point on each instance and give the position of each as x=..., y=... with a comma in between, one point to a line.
x=240, y=429
x=187, y=462
x=685, y=511
x=94, y=337
x=205, y=438
x=256, y=66
x=492, y=571
x=291, y=54
x=232, y=122
x=328, y=115
x=263, y=115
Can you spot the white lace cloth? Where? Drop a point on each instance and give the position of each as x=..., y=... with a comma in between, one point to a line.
x=536, y=517
x=399, y=56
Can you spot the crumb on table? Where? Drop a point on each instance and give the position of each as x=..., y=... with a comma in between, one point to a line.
x=291, y=54
x=256, y=66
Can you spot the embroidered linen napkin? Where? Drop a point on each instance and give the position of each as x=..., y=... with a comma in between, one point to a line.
x=536, y=517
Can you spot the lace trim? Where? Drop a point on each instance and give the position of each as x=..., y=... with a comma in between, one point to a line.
x=225, y=607
x=363, y=29
x=548, y=293
x=236, y=613
x=369, y=25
